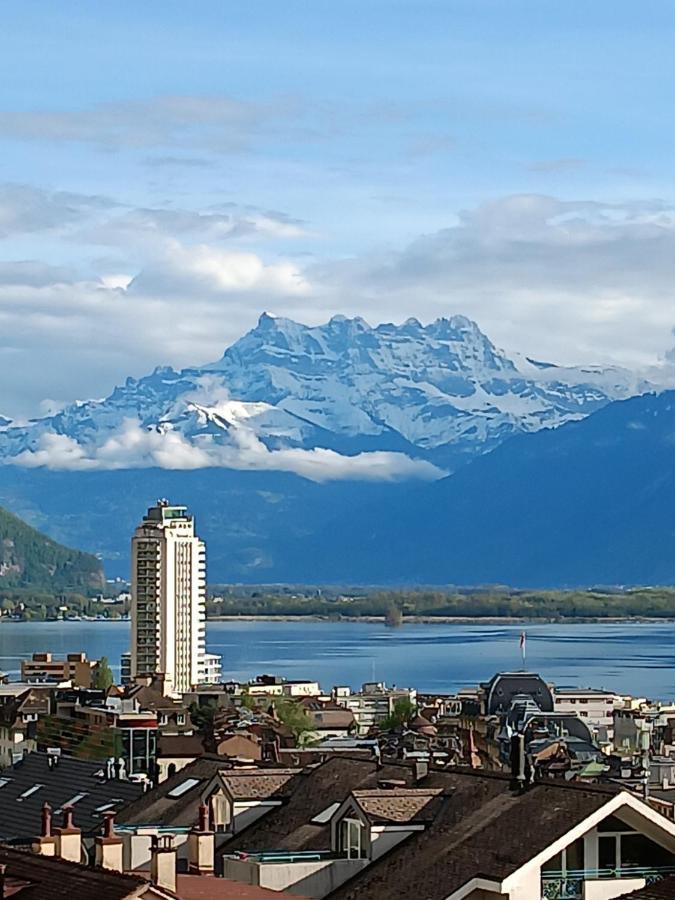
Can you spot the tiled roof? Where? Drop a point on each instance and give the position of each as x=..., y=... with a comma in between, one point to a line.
x=32, y=877
x=179, y=745
x=290, y=827
x=191, y=887
x=258, y=784
x=157, y=807
x=399, y=806
x=27, y=786
x=482, y=829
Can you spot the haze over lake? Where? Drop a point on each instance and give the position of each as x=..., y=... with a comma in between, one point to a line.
x=630, y=658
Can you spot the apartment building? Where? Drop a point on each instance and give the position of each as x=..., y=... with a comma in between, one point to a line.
x=168, y=600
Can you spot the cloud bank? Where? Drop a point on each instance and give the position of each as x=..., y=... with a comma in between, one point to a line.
x=135, y=447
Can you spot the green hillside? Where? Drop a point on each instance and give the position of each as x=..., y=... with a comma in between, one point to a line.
x=29, y=559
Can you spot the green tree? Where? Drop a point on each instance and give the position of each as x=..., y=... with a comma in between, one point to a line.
x=293, y=716
x=204, y=719
x=403, y=713
x=103, y=676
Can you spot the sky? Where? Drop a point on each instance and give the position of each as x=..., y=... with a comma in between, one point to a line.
x=170, y=170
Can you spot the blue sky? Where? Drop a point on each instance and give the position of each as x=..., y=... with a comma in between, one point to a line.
x=169, y=170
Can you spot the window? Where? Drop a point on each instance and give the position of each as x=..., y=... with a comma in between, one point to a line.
x=351, y=843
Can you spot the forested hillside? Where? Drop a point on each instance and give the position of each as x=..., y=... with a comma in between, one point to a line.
x=29, y=559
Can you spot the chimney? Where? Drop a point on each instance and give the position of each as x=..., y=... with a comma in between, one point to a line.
x=45, y=845
x=201, y=845
x=3, y=869
x=163, y=862
x=421, y=770
x=68, y=838
x=108, y=846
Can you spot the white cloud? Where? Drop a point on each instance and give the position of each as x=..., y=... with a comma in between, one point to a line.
x=137, y=447
x=573, y=281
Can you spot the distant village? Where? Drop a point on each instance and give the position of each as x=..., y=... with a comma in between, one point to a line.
x=174, y=782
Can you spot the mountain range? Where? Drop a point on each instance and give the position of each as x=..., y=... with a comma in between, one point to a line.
x=436, y=396
x=322, y=454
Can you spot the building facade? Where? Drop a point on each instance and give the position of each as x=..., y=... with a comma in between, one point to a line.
x=168, y=599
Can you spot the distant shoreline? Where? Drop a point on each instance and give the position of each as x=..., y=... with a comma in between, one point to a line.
x=380, y=620
x=450, y=620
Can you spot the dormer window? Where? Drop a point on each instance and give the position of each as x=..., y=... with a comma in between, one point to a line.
x=351, y=839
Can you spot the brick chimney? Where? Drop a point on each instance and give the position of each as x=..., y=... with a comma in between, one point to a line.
x=201, y=845
x=108, y=853
x=3, y=870
x=68, y=838
x=45, y=845
x=163, y=862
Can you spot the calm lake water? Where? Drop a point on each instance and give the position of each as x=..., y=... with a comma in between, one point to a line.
x=631, y=658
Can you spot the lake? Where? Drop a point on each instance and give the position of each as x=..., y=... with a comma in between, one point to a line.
x=629, y=658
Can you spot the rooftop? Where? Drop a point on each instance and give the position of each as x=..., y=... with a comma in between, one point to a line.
x=32, y=877
x=83, y=784
x=259, y=784
x=481, y=827
x=399, y=806
x=174, y=802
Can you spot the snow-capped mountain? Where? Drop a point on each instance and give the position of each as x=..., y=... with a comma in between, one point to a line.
x=441, y=393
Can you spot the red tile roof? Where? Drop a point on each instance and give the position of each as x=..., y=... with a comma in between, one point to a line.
x=205, y=887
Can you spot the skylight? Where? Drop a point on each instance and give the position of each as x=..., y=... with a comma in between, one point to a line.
x=183, y=787
x=31, y=790
x=325, y=815
x=73, y=801
x=4, y=781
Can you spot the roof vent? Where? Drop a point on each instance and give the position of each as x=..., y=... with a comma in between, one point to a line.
x=391, y=784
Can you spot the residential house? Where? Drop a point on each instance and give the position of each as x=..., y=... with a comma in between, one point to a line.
x=91, y=788
x=458, y=834
x=21, y=705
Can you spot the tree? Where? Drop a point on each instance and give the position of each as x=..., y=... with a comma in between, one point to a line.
x=403, y=713
x=293, y=716
x=393, y=617
x=204, y=719
x=103, y=676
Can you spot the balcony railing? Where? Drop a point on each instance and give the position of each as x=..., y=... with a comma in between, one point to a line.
x=570, y=885
x=284, y=856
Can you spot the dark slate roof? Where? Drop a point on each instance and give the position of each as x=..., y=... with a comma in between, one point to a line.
x=157, y=807
x=32, y=877
x=660, y=890
x=482, y=829
x=289, y=827
x=20, y=812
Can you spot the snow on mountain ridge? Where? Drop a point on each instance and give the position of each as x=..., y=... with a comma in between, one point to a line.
x=442, y=391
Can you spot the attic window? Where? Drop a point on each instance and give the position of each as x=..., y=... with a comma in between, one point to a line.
x=183, y=787
x=31, y=790
x=325, y=815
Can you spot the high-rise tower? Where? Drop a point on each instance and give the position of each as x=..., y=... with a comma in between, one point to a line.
x=168, y=599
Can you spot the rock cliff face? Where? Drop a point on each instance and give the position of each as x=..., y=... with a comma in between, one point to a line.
x=441, y=392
